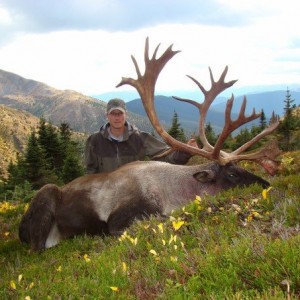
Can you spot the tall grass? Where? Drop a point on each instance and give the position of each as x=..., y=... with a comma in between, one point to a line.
x=241, y=244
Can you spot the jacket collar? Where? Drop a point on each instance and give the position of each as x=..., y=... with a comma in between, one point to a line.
x=129, y=129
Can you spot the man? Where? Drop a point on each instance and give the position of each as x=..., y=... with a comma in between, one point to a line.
x=118, y=142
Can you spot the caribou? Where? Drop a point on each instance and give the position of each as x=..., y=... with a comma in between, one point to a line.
x=106, y=204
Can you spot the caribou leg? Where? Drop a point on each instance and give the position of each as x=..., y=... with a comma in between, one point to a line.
x=37, y=222
x=122, y=217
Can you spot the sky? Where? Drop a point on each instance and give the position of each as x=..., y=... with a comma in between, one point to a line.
x=86, y=45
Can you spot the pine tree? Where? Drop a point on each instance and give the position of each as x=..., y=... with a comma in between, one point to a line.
x=49, y=142
x=175, y=131
x=274, y=118
x=289, y=122
x=210, y=134
x=262, y=120
x=16, y=172
x=243, y=137
x=72, y=167
x=37, y=168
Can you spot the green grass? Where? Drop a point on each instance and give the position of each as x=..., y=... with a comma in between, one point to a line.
x=241, y=244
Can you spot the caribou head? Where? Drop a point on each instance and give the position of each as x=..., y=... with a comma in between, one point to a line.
x=102, y=204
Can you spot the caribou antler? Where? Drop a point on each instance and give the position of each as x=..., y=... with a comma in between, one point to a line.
x=145, y=85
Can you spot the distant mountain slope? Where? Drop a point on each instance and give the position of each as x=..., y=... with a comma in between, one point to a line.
x=188, y=114
x=268, y=101
x=82, y=113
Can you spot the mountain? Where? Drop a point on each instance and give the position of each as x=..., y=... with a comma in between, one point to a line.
x=188, y=114
x=86, y=114
x=268, y=101
x=82, y=113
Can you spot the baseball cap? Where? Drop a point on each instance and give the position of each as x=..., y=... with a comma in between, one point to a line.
x=116, y=104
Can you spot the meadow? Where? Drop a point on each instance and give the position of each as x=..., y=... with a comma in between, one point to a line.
x=241, y=244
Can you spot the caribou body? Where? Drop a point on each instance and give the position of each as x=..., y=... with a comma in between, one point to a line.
x=103, y=204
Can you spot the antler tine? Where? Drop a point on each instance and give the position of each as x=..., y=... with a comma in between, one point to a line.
x=230, y=126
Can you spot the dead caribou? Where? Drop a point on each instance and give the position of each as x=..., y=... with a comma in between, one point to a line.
x=102, y=204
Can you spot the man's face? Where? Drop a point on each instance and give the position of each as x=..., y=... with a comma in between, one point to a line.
x=116, y=118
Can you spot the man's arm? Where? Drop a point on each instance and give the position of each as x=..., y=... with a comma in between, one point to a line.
x=91, y=160
x=156, y=147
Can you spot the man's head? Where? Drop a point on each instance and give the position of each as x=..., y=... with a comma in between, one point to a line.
x=116, y=114
x=116, y=104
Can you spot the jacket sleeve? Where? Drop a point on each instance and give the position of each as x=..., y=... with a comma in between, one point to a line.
x=91, y=160
x=154, y=147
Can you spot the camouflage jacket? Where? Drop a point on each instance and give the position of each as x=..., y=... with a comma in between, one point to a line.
x=104, y=154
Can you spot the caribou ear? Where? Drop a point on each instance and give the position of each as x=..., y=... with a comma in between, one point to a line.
x=205, y=176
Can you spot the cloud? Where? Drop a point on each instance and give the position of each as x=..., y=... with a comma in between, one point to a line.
x=86, y=45
x=117, y=15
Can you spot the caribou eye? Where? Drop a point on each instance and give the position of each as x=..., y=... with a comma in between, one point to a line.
x=232, y=176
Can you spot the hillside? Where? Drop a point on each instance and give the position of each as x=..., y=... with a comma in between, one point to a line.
x=15, y=127
x=82, y=113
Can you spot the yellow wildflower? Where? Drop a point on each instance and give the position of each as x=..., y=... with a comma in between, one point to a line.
x=173, y=238
x=153, y=252
x=265, y=192
x=161, y=227
x=13, y=285
x=197, y=199
x=86, y=258
x=177, y=224
x=114, y=288
x=20, y=278
x=124, y=267
x=59, y=269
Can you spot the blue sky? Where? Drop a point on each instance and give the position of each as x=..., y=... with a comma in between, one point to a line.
x=85, y=45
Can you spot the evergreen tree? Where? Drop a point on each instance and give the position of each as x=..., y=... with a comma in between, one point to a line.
x=37, y=168
x=175, y=131
x=243, y=137
x=72, y=167
x=289, y=122
x=49, y=142
x=274, y=118
x=16, y=172
x=210, y=134
x=262, y=120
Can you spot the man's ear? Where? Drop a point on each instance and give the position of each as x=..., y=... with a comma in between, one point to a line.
x=205, y=176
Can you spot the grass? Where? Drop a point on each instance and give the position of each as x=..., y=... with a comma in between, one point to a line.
x=241, y=244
